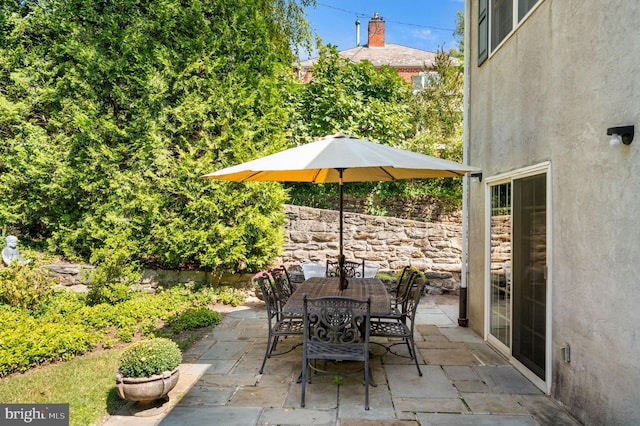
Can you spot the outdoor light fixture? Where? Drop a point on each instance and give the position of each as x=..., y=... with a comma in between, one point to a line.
x=621, y=135
x=476, y=176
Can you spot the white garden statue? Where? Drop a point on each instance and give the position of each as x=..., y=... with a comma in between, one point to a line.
x=10, y=253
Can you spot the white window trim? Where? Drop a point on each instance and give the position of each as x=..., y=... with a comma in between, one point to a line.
x=515, y=27
x=510, y=176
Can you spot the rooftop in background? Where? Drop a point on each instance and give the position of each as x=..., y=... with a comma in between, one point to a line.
x=427, y=25
x=391, y=54
x=410, y=62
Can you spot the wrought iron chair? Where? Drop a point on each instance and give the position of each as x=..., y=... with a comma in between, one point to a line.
x=351, y=269
x=280, y=325
x=281, y=278
x=402, y=327
x=401, y=293
x=336, y=329
x=392, y=288
x=283, y=285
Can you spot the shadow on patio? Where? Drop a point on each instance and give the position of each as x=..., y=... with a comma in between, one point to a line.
x=464, y=381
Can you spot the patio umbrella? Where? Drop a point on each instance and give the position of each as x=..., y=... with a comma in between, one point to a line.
x=342, y=158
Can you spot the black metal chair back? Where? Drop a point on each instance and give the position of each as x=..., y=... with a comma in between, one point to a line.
x=404, y=291
x=414, y=294
x=280, y=325
x=336, y=329
x=401, y=327
x=280, y=277
x=351, y=269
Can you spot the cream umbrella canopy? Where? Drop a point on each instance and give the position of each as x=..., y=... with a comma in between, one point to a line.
x=342, y=158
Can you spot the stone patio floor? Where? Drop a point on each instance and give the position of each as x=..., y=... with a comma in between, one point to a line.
x=464, y=382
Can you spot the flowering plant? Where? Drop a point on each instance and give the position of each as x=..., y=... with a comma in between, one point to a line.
x=149, y=357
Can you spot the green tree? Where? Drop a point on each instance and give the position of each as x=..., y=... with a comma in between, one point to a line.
x=459, y=34
x=352, y=98
x=356, y=99
x=438, y=125
x=377, y=104
x=111, y=111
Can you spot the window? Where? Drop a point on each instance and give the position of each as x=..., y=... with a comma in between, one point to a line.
x=496, y=20
x=501, y=20
x=524, y=6
x=423, y=80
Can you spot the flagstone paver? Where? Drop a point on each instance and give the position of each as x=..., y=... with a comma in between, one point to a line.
x=449, y=356
x=493, y=403
x=464, y=382
x=405, y=382
x=506, y=379
x=474, y=420
x=293, y=416
x=430, y=405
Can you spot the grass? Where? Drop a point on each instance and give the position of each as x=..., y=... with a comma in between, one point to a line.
x=86, y=383
x=63, y=320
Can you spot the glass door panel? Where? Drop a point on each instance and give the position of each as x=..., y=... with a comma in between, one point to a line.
x=500, y=280
x=530, y=273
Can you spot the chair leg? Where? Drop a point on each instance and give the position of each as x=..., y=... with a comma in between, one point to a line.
x=372, y=381
x=415, y=357
x=273, y=345
x=266, y=354
x=367, y=373
x=411, y=352
x=303, y=380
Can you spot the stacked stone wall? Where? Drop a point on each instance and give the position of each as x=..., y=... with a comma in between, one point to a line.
x=312, y=235
x=422, y=209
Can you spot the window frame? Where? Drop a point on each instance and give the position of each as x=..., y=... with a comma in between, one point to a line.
x=486, y=27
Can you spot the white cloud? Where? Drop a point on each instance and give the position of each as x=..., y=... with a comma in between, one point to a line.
x=423, y=34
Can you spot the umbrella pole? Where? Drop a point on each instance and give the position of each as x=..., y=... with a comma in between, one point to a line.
x=341, y=255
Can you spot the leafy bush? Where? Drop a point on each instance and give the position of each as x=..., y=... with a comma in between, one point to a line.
x=115, y=274
x=26, y=341
x=230, y=296
x=109, y=293
x=420, y=276
x=134, y=126
x=149, y=357
x=64, y=325
x=194, y=318
x=24, y=286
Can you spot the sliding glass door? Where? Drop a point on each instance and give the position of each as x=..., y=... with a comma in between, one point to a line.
x=530, y=272
x=500, y=279
x=518, y=269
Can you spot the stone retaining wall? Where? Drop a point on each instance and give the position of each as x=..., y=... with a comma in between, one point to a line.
x=312, y=235
x=435, y=248
x=76, y=277
x=420, y=208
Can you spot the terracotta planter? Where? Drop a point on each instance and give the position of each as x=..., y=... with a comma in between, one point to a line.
x=146, y=389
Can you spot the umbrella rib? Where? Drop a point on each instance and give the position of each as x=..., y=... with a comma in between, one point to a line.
x=250, y=176
x=387, y=173
x=316, y=176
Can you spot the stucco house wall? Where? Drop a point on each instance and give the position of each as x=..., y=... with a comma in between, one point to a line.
x=547, y=96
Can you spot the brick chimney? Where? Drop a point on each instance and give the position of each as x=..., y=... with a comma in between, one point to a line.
x=376, y=31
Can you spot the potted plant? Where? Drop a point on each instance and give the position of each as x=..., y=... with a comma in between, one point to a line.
x=148, y=370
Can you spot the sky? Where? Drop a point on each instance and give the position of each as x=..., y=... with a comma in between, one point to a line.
x=421, y=24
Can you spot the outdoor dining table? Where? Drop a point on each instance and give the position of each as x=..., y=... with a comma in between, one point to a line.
x=358, y=288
